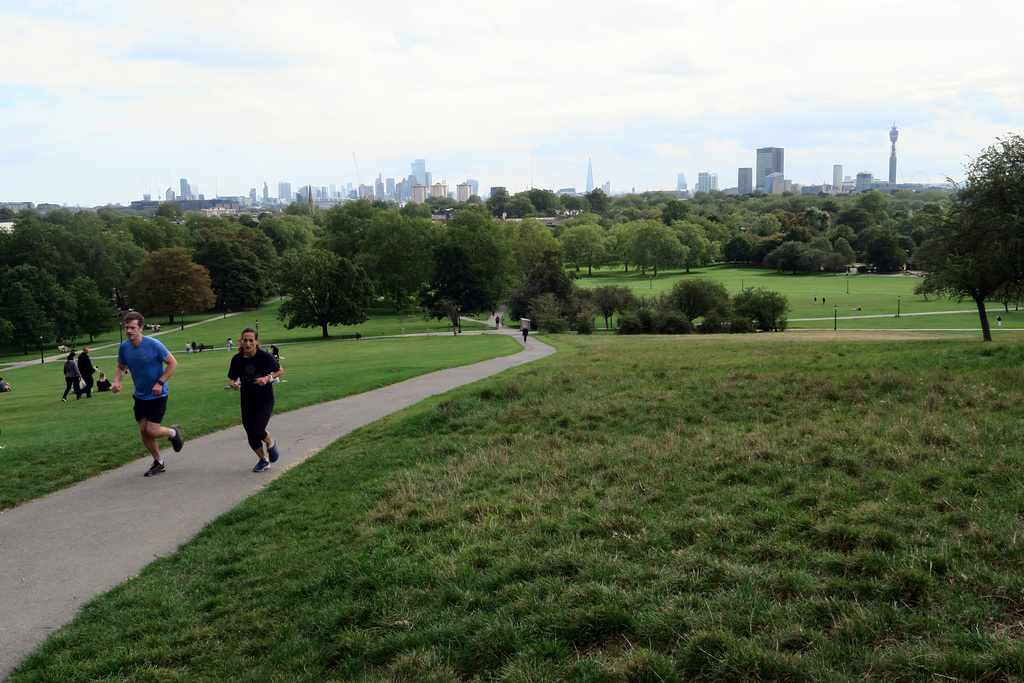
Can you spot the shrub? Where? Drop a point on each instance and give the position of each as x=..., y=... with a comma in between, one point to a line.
x=714, y=323
x=766, y=309
x=584, y=323
x=672, y=322
x=629, y=323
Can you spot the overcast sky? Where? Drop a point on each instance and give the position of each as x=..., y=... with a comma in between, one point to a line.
x=103, y=101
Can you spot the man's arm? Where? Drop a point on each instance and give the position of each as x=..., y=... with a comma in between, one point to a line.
x=172, y=365
x=118, y=374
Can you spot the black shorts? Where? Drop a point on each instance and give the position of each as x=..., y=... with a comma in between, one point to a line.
x=152, y=409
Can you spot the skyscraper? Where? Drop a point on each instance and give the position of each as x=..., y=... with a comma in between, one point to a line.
x=745, y=181
x=590, y=176
x=185, y=191
x=284, y=193
x=681, y=181
x=893, y=136
x=707, y=181
x=769, y=160
x=837, y=178
x=419, y=172
x=266, y=192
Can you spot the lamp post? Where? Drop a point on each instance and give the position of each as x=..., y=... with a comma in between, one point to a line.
x=898, y=306
x=835, y=317
x=847, y=282
x=650, y=280
x=120, y=332
x=257, y=327
x=183, y=320
x=41, y=350
x=741, y=283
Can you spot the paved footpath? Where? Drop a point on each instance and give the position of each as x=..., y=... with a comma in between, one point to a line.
x=59, y=551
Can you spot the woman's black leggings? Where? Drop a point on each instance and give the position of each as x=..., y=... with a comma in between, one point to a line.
x=255, y=419
x=72, y=385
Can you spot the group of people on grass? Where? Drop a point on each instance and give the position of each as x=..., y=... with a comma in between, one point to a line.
x=252, y=370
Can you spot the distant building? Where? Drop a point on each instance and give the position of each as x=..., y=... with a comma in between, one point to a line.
x=420, y=193
x=681, y=181
x=475, y=184
x=438, y=190
x=864, y=182
x=186, y=190
x=463, y=192
x=745, y=181
x=284, y=193
x=770, y=181
x=893, y=136
x=419, y=172
x=707, y=181
x=590, y=176
x=837, y=178
x=769, y=160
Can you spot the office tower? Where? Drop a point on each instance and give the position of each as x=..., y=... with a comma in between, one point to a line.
x=378, y=188
x=707, y=181
x=607, y=188
x=419, y=172
x=893, y=136
x=475, y=184
x=837, y=178
x=430, y=178
x=681, y=181
x=463, y=192
x=185, y=192
x=284, y=193
x=745, y=182
x=769, y=160
x=252, y=194
x=590, y=176
x=864, y=182
x=389, y=187
x=169, y=195
x=266, y=192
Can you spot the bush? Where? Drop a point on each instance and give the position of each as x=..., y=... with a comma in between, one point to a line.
x=673, y=322
x=768, y=310
x=714, y=323
x=740, y=325
x=629, y=323
x=584, y=323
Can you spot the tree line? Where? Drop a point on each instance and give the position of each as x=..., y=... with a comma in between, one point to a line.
x=64, y=274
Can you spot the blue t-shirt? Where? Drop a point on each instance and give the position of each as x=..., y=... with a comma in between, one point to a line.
x=146, y=363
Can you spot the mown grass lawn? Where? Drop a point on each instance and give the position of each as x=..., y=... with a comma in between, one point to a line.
x=790, y=507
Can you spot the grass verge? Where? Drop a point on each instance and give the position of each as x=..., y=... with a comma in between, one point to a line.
x=632, y=509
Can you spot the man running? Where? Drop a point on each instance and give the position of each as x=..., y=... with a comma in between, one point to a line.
x=145, y=358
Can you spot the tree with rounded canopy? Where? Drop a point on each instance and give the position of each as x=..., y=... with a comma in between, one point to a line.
x=168, y=282
x=698, y=296
x=497, y=203
x=978, y=247
x=584, y=243
x=396, y=254
x=324, y=289
x=769, y=311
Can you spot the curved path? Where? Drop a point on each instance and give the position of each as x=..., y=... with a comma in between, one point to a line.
x=59, y=551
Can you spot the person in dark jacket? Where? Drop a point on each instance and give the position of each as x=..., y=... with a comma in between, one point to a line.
x=71, y=377
x=86, y=370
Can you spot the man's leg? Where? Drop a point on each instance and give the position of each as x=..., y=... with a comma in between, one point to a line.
x=151, y=431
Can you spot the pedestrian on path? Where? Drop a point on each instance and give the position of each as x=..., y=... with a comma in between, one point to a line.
x=146, y=359
x=526, y=333
x=72, y=375
x=253, y=370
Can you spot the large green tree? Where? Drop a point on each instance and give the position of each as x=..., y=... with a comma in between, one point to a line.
x=396, y=255
x=324, y=289
x=169, y=282
x=979, y=247
x=584, y=243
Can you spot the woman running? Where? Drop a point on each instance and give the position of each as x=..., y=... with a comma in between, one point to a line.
x=252, y=370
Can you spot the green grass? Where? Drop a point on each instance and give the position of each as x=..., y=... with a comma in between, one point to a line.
x=51, y=445
x=757, y=508
x=882, y=296
x=215, y=330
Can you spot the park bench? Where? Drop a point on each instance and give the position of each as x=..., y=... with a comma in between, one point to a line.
x=351, y=336
x=204, y=347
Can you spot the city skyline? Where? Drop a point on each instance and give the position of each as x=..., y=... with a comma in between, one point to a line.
x=111, y=101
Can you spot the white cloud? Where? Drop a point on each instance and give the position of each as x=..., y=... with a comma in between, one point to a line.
x=231, y=94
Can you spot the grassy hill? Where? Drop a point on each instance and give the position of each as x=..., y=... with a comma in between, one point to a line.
x=791, y=507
